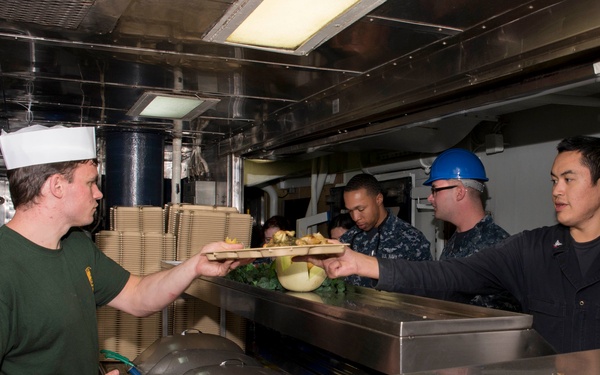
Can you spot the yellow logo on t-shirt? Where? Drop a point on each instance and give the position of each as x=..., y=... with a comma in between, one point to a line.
x=88, y=272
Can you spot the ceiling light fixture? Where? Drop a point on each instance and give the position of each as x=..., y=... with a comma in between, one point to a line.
x=170, y=106
x=294, y=27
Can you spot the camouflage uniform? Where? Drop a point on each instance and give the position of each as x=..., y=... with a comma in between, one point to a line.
x=394, y=238
x=461, y=245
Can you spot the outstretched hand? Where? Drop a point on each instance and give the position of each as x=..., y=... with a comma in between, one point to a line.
x=344, y=264
x=336, y=265
x=206, y=267
x=145, y=295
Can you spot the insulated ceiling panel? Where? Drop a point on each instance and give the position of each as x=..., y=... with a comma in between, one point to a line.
x=66, y=14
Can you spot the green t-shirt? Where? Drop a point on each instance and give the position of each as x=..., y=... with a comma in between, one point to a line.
x=48, y=301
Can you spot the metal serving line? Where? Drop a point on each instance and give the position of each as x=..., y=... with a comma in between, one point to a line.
x=386, y=332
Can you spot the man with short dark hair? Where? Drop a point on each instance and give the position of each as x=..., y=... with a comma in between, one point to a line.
x=378, y=232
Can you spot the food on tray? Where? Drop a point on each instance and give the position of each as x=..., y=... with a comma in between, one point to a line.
x=286, y=238
x=312, y=239
x=282, y=238
x=298, y=276
x=231, y=240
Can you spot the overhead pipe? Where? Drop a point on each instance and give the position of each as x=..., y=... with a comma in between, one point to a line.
x=235, y=191
x=421, y=163
x=68, y=43
x=196, y=157
x=176, y=171
x=177, y=144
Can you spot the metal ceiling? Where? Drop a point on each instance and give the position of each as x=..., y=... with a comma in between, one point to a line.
x=414, y=75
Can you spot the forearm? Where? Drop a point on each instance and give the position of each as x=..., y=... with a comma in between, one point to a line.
x=439, y=279
x=145, y=295
x=425, y=278
x=367, y=266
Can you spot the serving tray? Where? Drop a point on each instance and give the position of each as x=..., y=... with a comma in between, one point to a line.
x=279, y=251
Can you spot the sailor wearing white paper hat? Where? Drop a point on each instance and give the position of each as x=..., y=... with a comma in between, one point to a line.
x=37, y=159
x=53, y=277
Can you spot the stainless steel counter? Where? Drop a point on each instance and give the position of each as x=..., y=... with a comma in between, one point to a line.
x=578, y=363
x=388, y=332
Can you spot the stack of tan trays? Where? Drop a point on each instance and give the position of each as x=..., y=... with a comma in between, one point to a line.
x=137, y=240
x=174, y=209
x=196, y=226
x=141, y=253
x=137, y=219
x=126, y=334
x=239, y=226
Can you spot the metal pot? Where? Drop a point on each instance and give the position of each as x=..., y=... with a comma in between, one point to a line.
x=188, y=340
x=180, y=361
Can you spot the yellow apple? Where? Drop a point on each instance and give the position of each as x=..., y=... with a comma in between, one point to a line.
x=298, y=276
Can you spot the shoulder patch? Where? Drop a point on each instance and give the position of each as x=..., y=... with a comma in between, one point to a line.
x=88, y=272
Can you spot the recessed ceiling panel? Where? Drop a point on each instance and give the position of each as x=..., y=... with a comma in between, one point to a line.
x=66, y=14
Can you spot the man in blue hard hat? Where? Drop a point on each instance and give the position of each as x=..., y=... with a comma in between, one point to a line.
x=457, y=180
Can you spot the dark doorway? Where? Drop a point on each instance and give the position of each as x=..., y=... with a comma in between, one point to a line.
x=295, y=209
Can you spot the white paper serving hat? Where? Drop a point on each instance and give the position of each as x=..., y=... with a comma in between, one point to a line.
x=39, y=144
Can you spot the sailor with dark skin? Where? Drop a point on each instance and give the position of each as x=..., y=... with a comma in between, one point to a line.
x=378, y=232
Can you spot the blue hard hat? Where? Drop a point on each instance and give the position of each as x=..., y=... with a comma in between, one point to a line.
x=457, y=164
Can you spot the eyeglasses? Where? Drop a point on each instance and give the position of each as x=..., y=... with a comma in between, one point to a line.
x=434, y=190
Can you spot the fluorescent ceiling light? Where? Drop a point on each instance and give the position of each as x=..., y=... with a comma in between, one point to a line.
x=289, y=26
x=170, y=106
